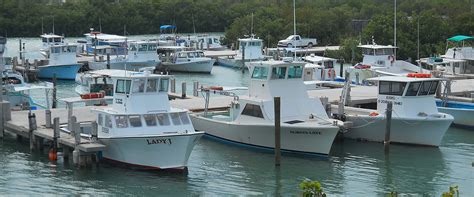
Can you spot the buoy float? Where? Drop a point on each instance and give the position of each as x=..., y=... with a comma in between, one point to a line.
x=373, y=113
x=92, y=95
x=53, y=156
x=216, y=88
x=419, y=75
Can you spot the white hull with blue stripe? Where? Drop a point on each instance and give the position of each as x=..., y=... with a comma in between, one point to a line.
x=67, y=72
x=462, y=112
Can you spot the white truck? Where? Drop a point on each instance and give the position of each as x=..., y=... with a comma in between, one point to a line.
x=297, y=41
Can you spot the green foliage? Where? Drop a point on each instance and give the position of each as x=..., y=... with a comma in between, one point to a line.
x=453, y=192
x=312, y=188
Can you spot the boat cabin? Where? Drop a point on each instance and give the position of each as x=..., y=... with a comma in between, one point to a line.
x=142, y=51
x=461, y=49
x=410, y=96
x=51, y=39
x=318, y=68
x=378, y=55
x=178, y=54
x=252, y=47
x=62, y=54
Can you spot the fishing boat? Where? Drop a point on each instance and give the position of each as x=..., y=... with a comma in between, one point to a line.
x=140, y=54
x=60, y=62
x=250, y=49
x=320, y=73
x=95, y=39
x=415, y=117
x=380, y=60
x=305, y=126
x=96, y=81
x=180, y=59
x=141, y=130
x=204, y=42
x=51, y=39
x=461, y=111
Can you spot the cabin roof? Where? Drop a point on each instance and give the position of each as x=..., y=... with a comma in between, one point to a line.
x=103, y=36
x=459, y=38
x=50, y=36
x=123, y=74
x=276, y=63
x=402, y=79
x=376, y=46
x=315, y=58
x=249, y=39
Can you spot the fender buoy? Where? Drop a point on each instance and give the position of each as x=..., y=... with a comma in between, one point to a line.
x=373, y=113
x=52, y=155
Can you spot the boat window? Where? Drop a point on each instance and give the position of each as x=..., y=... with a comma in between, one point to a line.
x=434, y=86
x=100, y=119
x=135, y=120
x=163, y=119
x=391, y=88
x=191, y=55
x=379, y=52
x=413, y=88
x=175, y=118
x=123, y=86
x=252, y=110
x=152, y=47
x=184, y=117
x=367, y=51
x=164, y=84
x=152, y=85
x=260, y=73
x=278, y=72
x=295, y=72
x=133, y=48
x=45, y=39
x=425, y=88
x=200, y=54
x=150, y=119
x=388, y=51
x=182, y=55
x=216, y=40
x=138, y=85
x=108, y=121
x=142, y=47
x=55, y=49
x=329, y=64
x=57, y=39
x=121, y=121
x=209, y=40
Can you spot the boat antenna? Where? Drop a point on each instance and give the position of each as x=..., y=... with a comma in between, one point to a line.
x=53, y=24
x=395, y=28
x=294, y=26
x=100, y=24
x=42, y=29
x=251, y=27
x=194, y=26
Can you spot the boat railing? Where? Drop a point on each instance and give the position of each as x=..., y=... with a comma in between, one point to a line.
x=206, y=93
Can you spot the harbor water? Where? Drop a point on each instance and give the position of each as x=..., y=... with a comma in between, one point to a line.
x=216, y=168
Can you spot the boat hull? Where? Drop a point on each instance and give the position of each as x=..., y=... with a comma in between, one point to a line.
x=132, y=66
x=462, y=113
x=427, y=131
x=152, y=152
x=67, y=72
x=306, y=140
x=204, y=66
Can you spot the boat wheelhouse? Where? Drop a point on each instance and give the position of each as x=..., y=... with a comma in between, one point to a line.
x=250, y=49
x=51, y=39
x=141, y=129
x=94, y=39
x=415, y=118
x=61, y=62
x=305, y=126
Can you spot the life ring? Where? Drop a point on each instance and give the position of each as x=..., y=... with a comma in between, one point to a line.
x=391, y=58
x=419, y=75
x=92, y=95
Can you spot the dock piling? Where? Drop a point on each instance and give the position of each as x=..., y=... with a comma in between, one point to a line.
x=55, y=102
x=195, y=88
x=48, y=118
x=388, y=125
x=357, y=78
x=94, y=131
x=32, y=126
x=276, y=102
x=173, y=86
x=183, y=90
x=70, y=124
x=341, y=68
x=56, y=134
x=2, y=120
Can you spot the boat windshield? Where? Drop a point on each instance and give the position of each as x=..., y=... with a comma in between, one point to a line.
x=392, y=88
x=422, y=88
x=123, y=86
x=260, y=72
x=295, y=72
x=278, y=72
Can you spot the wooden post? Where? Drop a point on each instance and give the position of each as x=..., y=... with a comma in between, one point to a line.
x=95, y=127
x=388, y=125
x=32, y=127
x=48, y=118
x=195, y=88
x=56, y=133
x=77, y=133
x=173, y=85
x=55, y=102
x=70, y=124
x=276, y=102
x=108, y=60
x=2, y=119
x=76, y=154
x=183, y=90
x=341, y=71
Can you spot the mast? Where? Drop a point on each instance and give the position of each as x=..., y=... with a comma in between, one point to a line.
x=395, y=28
x=294, y=26
x=53, y=25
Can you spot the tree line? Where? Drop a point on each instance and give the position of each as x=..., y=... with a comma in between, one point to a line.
x=332, y=22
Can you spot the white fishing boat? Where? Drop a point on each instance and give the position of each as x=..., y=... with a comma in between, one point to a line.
x=305, y=126
x=462, y=112
x=51, y=39
x=96, y=81
x=319, y=73
x=250, y=49
x=60, y=61
x=415, y=117
x=459, y=59
x=176, y=58
x=380, y=60
x=203, y=42
x=141, y=129
x=140, y=54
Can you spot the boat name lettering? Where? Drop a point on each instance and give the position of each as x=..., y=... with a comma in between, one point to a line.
x=159, y=141
x=390, y=98
x=394, y=102
x=118, y=101
x=306, y=132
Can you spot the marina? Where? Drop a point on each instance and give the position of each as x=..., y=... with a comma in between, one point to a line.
x=251, y=111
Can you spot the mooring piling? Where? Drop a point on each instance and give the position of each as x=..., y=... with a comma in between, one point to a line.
x=276, y=102
x=32, y=127
x=55, y=102
x=173, y=85
x=388, y=125
x=195, y=88
x=183, y=90
x=48, y=118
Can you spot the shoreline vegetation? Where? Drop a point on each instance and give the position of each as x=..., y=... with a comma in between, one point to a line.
x=342, y=22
